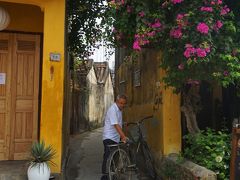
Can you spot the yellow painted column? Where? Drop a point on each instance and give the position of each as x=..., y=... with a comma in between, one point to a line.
x=53, y=78
x=171, y=125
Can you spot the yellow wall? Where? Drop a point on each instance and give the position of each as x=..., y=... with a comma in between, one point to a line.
x=49, y=18
x=151, y=98
x=52, y=87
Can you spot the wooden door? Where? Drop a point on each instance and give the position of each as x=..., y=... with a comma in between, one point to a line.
x=5, y=95
x=22, y=82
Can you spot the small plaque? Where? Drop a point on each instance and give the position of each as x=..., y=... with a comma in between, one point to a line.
x=137, y=78
x=55, y=56
x=2, y=78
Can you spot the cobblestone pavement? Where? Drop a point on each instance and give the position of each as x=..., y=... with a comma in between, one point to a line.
x=86, y=151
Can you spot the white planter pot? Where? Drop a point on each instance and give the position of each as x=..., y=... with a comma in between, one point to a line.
x=41, y=171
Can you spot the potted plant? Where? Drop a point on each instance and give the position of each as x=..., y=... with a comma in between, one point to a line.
x=41, y=158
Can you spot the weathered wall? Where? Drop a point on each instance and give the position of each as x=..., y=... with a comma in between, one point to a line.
x=99, y=99
x=108, y=94
x=147, y=96
x=95, y=99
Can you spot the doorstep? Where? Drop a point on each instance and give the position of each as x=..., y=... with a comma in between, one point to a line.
x=17, y=170
x=13, y=170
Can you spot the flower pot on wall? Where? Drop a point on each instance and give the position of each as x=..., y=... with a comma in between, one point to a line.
x=39, y=171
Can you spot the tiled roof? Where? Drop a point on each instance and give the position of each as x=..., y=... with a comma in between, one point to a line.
x=101, y=70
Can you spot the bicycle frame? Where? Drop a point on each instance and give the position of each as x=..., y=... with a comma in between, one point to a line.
x=139, y=132
x=121, y=160
x=143, y=147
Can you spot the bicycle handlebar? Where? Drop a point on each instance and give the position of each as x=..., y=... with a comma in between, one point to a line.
x=140, y=121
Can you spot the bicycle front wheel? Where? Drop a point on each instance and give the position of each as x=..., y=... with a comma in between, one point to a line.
x=118, y=165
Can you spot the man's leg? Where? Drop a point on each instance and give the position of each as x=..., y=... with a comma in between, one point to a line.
x=106, y=154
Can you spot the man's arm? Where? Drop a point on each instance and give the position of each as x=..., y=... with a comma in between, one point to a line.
x=120, y=132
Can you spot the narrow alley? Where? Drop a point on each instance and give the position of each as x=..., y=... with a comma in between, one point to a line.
x=86, y=151
x=85, y=156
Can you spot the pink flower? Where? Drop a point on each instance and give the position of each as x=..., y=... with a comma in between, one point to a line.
x=189, y=52
x=225, y=10
x=145, y=42
x=141, y=14
x=217, y=25
x=114, y=30
x=219, y=1
x=176, y=33
x=180, y=16
x=176, y=1
x=181, y=66
x=202, y=28
x=201, y=52
x=151, y=34
x=165, y=4
x=136, y=45
x=137, y=36
x=188, y=46
x=225, y=73
x=157, y=24
x=213, y=3
x=207, y=9
x=129, y=9
x=208, y=50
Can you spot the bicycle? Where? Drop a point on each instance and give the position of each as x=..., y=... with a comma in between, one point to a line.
x=123, y=160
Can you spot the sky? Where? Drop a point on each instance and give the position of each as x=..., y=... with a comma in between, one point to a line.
x=99, y=56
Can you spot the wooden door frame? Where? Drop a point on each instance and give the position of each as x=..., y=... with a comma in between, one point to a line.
x=11, y=105
x=40, y=69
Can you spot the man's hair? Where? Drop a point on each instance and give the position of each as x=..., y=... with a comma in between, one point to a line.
x=121, y=96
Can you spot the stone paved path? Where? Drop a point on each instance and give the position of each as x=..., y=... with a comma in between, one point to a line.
x=86, y=151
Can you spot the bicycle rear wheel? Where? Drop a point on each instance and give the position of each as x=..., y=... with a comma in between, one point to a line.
x=148, y=160
x=118, y=165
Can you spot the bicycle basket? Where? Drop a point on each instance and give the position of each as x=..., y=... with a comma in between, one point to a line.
x=134, y=135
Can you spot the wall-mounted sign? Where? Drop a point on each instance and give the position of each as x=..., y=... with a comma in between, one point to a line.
x=2, y=78
x=55, y=56
x=137, y=78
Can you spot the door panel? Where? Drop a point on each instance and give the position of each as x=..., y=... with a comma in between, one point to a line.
x=25, y=97
x=19, y=107
x=5, y=67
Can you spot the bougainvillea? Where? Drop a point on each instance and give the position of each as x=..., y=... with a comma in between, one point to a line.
x=198, y=38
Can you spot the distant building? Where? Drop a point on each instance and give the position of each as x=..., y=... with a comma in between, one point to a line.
x=93, y=95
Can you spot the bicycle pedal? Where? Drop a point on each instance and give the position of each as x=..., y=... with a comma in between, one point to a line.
x=132, y=166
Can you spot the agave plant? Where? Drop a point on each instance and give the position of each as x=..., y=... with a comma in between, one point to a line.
x=40, y=153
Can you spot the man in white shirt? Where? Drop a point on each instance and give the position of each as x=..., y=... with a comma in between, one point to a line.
x=112, y=132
